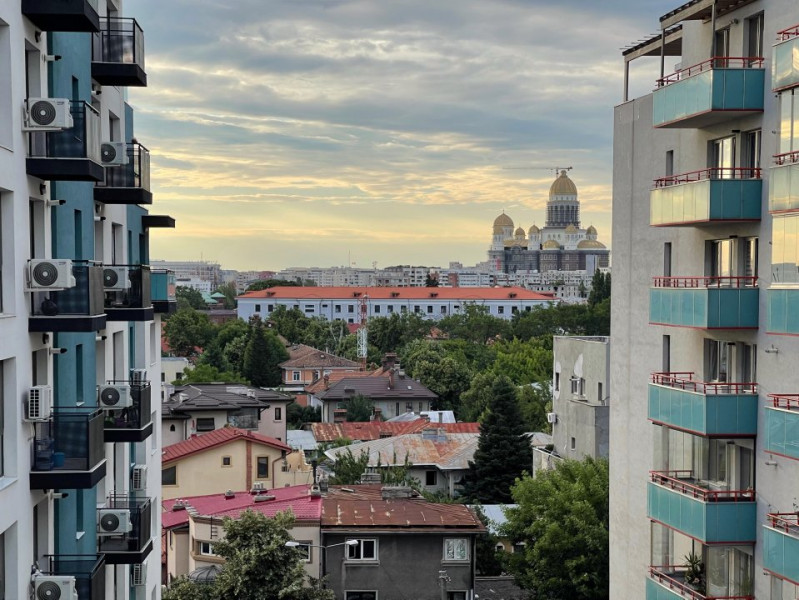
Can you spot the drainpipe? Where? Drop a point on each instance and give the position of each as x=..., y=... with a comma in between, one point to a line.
x=713, y=30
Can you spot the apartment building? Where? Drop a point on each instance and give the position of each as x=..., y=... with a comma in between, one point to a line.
x=79, y=308
x=704, y=433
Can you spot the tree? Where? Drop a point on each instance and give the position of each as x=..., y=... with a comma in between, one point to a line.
x=297, y=416
x=523, y=362
x=187, y=331
x=347, y=468
x=474, y=324
x=184, y=589
x=447, y=377
x=359, y=409
x=475, y=400
x=489, y=561
x=562, y=517
x=431, y=280
x=263, y=356
x=290, y=323
x=207, y=374
x=600, y=288
x=189, y=298
x=535, y=401
x=229, y=291
x=503, y=452
x=265, y=284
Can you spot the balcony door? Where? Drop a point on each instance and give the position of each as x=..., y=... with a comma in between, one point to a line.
x=722, y=255
x=720, y=356
x=722, y=157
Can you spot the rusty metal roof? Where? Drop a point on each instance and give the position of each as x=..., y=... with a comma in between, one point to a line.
x=378, y=388
x=375, y=430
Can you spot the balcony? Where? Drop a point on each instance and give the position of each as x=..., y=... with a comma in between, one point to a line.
x=668, y=583
x=133, y=423
x=68, y=450
x=62, y=15
x=705, y=302
x=127, y=292
x=709, y=196
x=709, y=93
x=118, y=53
x=124, y=535
x=678, y=401
x=71, y=154
x=781, y=545
x=784, y=185
x=74, y=309
x=88, y=571
x=783, y=311
x=782, y=425
x=710, y=516
x=784, y=67
x=163, y=291
x=128, y=183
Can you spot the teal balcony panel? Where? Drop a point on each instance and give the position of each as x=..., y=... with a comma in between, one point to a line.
x=708, y=409
x=782, y=425
x=663, y=589
x=695, y=198
x=784, y=184
x=162, y=293
x=781, y=546
x=704, y=302
x=785, y=60
x=782, y=316
x=728, y=522
x=705, y=95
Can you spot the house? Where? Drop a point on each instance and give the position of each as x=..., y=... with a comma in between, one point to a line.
x=306, y=365
x=440, y=460
x=386, y=542
x=226, y=459
x=191, y=525
x=327, y=433
x=202, y=407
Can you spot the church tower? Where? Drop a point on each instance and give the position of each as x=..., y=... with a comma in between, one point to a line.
x=563, y=208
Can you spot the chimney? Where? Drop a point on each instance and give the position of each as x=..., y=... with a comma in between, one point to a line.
x=396, y=492
x=389, y=360
x=391, y=379
x=326, y=379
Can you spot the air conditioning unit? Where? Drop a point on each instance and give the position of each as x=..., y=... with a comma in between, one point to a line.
x=113, y=397
x=138, y=478
x=40, y=403
x=552, y=418
x=114, y=521
x=113, y=154
x=48, y=114
x=54, y=587
x=115, y=278
x=138, y=574
x=50, y=274
x=138, y=376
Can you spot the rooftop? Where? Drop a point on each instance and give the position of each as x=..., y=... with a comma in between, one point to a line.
x=398, y=293
x=375, y=430
x=218, y=437
x=376, y=388
x=306, y=357
x=219, y=396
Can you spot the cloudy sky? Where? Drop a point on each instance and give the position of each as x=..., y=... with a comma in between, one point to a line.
x=313, y=132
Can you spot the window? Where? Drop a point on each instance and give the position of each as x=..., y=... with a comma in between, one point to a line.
x=456, y=595
x=351, y=308
x=295, y=375
x=257, y=308
x=557, y=382
x=337, y=308
x=409, y=407
x=722, y=153
x=278, y=413
x=431, y=478
x=573, y=444
x=751, y=150
x=666, y=360
x=270, y=308
x=360, y=596
x=390, y=308
x=456, y=549
x=754, y=36
x=429, y=309
x=226, y=461
x=304, y=549
x=403, y=309
x=309, y=308
x=443, y=310
x=363, y=550
x=500, y=310
x=518, y=547
x=669, y=162
x=667, y=259
x=169, y=476
x=599, y=397
x=172, y=428
x=398, y=409
x=205, y=424
x=206, y=548
x=262, y=467
x=417, y=308
x=377, y=309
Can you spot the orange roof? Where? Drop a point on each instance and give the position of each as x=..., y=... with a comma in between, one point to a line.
x=218, y=437
x=398, y=293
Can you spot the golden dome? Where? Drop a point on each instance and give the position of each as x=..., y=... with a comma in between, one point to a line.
x=591, y=230
x=551, y=245
x=571, y=229
x=589, y=244
x=519, y=232
x=501, y=222
x=534, y=230
x=563, y=186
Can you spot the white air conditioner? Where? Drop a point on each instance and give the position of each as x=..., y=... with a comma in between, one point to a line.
x=50, y=274
x=115, y=278
x=40, y=403
x=113, y=397
x=113, y=154
x=47, y=114
x=114, y=521
x=552, y=418
x=138, y=574
x=138, y=376
x=138, y=478
x=54, y=587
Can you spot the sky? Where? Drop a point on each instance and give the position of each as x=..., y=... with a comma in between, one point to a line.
x=326, y=132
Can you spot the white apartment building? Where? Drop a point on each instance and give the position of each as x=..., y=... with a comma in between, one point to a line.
x=704, y=433
x=202, y=270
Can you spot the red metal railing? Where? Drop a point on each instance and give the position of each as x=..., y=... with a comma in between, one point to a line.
x=788, y=401
x=788, y=522
x=704, y=282
x=787, y=34
x=717, y=62
x=709, y=173
x=686, y=591
x=685, y=381
x=786, y=158
x=673, y=481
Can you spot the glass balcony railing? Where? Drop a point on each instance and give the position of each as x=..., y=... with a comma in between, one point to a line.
x=130, y=423
x=163, y=291
x=118, y=53
x=713, y=91
x=88, y=571
x=783, y=310
x=705, y=302
x=124, y=529
x=67, y=451
x=715, y=195
x=782, y=425
x=127, y=292
x=708, y=409
x=784, y=184
x=71, y=154
x=127, y=183
x=77, y=308
x=784, y=64
x=781, y=545
x=669, y=583
x=62, y=15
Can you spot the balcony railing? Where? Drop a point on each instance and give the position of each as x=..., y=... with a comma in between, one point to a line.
x=88, y=571
x=716, y=302
x=71, y=154
x=129, y=183
x=133, y=423
x=68, y=450
x=684, y=380
x=672, y=577
x=62, y=15
x=782, y=425
x=709, y=173
x=681, y=481
x=128, y=300
x=784, y=70
x=781, y=545
x=784, y=184
x=127, y=547
x=118, y=53
x=721, y=281
x=75, y=309
x=163, y=289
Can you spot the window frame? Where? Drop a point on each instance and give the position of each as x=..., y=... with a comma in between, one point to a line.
x=201, y=550
x=427, y=477
x=229, y=460
x=451, y=540
x=173, y=468
x=353, y=597
x=359, y=548
x=258, y=467
x=278, y=413
x=307, y=547
x=203, y=428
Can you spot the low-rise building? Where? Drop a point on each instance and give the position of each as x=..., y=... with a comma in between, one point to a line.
x=306, y=365
x=327, y=433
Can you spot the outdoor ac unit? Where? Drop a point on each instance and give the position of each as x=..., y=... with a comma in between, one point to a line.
x=114, y=521
x=115, y=278
x=138, y=376
x=138, y=478
x=112, y=397
x=552, y=418
x=50, y=274
x=40, y=402
x=138, y=574
x=54, y=587
x=47, y=114
x=113, y=154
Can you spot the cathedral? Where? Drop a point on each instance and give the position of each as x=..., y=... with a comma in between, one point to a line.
x=561, y=245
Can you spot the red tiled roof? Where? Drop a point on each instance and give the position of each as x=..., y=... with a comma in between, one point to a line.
x=336, y=376
x=399, y=293
x=218, y=437
x=375, y=430
x=295, y=498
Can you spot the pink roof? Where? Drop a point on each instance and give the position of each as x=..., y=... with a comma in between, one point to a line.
x=399, y=293
x=295, y=498
x=218, y=437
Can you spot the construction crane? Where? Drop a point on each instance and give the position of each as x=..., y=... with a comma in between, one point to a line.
x=555, y=169
x=363, y=333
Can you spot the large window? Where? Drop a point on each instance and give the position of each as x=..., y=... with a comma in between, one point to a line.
x=360, y=596
x=363, y=550
x=262, y=466
x=169, y=476
x=205, y=424
x=205, y=548
x=785, y=249
x=431, y=478
x=456, y=549
x=789, y=122
x=304, y=549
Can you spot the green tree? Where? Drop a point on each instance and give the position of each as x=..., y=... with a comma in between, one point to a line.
x=535, y=401
x=189, y=298
x=297, y=416
x=503, y=451
x=474, y=324
x=208, y=374
x=523, y=362
x=347, y=468
x=187, y=331
x=476, y=399
x=265, y=284
x=262, y=356
x=600, y=287
x=431, y=280
x=183, y=589
x=229, y=291
x=290, y=323
x=359, y=409
x=214, y=357
x=562, y=517
x=447, y=377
